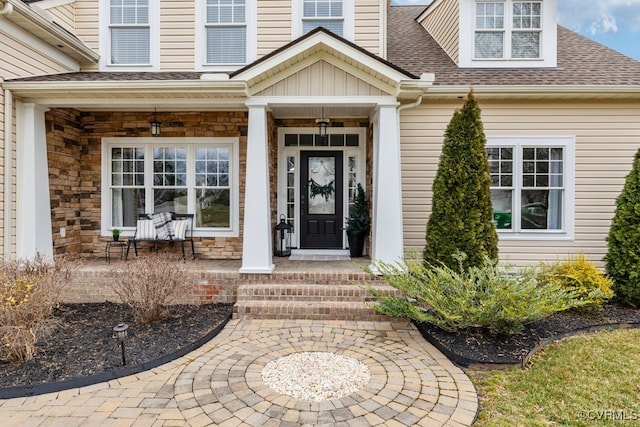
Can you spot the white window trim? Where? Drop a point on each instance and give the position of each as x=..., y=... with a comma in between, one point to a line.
x=107, y=143
x=348, y=14
x=284, y=152
x=548, y=38
x=568, y=145
x=251, y=19
x=105, y=40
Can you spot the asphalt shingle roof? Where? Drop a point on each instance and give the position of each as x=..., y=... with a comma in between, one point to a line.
x=580, y=61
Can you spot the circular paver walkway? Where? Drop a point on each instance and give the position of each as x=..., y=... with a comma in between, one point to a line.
x=412, y=383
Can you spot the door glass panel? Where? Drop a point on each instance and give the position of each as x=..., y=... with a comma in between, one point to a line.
x=321, y=185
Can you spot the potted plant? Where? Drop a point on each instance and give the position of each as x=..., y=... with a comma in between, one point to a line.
x=358, y=223
x=116, y=234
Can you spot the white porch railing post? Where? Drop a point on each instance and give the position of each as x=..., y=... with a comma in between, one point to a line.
x=33, y=222
x=388, y=243
x=256, y=242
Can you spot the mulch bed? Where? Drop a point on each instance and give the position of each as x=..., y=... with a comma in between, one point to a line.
x=482, y=349
x=82, y=343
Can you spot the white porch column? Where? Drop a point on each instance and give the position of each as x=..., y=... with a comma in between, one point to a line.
x=256, y=242
x=387, y=244
x=34, y=234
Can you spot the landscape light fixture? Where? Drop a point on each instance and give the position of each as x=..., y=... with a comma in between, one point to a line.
x=120, y=331
x=155, y=124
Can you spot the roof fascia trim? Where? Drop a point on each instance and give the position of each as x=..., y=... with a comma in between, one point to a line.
x=330, y=59
x=325, y=42
x=539, y=91
x=428, y=10
x=38, y=19
x=131, y=86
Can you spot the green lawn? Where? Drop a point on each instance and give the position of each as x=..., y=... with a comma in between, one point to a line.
x=581, y=381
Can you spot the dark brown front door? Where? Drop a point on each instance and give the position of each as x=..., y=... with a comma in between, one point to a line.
x=321, y=200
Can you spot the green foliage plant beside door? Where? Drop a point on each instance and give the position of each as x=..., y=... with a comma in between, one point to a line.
x=461, y=215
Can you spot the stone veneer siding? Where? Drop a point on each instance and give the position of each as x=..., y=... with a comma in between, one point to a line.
x=75, y=167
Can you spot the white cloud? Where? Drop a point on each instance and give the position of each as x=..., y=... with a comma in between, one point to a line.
x=598, y=16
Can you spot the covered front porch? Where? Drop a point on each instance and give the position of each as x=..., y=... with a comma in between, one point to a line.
x=86, y=162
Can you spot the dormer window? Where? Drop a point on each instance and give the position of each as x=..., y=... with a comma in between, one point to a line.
x=506, y=34
x=508, y=29
x=323, y=13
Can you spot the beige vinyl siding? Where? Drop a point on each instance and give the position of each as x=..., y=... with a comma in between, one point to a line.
x=87, y=27
x=367, y=25
x=177, y=35
x=274, y=25
x=65, y=16
x=19, y=59
x=321, y=79
x=443, y=25
x=2, y=171
x=606, y=140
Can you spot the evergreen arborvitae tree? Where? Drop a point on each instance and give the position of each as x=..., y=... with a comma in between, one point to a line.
x=622, y=261
x=461, y=214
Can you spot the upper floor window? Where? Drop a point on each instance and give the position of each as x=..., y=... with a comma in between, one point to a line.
x=532, y=186
x=508, y=29
x=226, y=32
x=130, y=32
x=323, y=13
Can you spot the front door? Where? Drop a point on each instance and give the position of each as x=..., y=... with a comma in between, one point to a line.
x=321, y=200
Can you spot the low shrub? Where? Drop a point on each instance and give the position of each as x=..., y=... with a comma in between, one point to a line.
x=149, y=283
x=29, y=290
x=580, y=276
x=478, y=297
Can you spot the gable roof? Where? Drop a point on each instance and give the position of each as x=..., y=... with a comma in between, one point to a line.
x=580, y=61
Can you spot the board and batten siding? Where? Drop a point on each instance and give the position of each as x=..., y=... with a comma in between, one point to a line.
x=607, y=138
x=443, y=23
x=65, y=16
x=321, y=79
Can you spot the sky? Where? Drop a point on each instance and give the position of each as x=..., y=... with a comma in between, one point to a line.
x=614, y=23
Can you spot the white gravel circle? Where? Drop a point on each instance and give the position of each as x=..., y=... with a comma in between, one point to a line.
x=315, y=376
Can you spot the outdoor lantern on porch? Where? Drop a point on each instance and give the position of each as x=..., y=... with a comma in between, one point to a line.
x=282, y=242
x=155, y=124
x=322, y=125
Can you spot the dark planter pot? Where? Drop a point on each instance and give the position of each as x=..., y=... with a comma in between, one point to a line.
x=356, y=243
x=116, y=238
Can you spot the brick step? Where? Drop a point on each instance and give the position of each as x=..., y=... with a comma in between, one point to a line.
x=309, y=292
x=306, y=310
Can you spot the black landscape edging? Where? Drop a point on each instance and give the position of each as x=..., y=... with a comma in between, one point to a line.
x=37, y=389
x=466, y=362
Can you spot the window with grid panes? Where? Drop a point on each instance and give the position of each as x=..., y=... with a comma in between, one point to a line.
x=130, y=32
x=323, y=13
x=226, y=32
x=528, y=187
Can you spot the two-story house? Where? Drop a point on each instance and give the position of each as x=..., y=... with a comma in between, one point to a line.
x=112, y=108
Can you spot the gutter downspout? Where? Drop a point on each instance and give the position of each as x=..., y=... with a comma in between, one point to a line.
x=8, y=171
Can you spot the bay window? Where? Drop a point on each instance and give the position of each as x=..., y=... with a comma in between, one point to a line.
x=532, y=185
x=181, y=175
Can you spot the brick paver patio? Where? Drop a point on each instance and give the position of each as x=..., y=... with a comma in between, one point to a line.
x=412, y=383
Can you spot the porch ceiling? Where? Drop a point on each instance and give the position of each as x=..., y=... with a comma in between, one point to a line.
x=316, y=111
